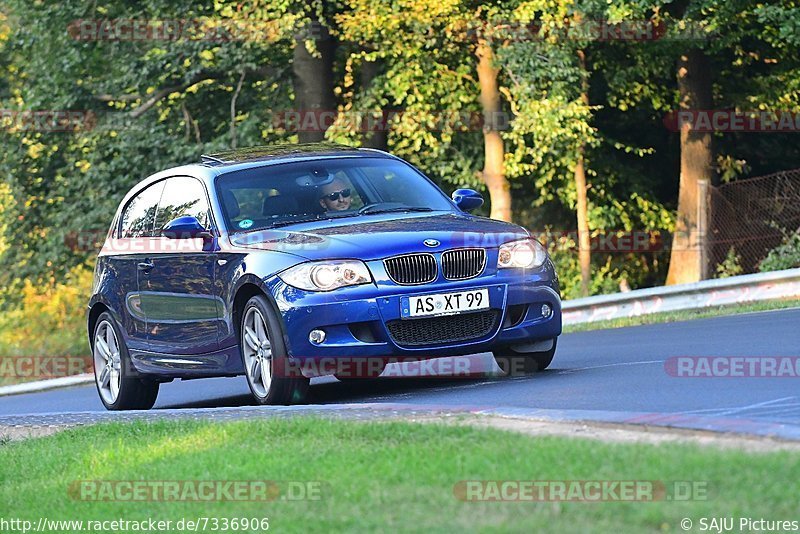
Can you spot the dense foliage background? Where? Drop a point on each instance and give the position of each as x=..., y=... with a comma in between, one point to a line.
x=584, y=145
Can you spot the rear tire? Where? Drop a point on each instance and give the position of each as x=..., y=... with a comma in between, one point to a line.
x=515, y=363
x=118, y=384
x=270, y=376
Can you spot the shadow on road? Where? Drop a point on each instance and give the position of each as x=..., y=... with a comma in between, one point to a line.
x=367, y=390
x=332, y=391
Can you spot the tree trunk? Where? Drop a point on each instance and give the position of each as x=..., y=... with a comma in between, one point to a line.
x=582, y=207
x=686, y=259
x=313, y=83
x=493, y=171
x=379, y=137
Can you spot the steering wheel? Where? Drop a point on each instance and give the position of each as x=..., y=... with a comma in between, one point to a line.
x=369, y=206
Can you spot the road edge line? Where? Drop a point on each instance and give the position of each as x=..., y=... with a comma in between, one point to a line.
x=44, y=385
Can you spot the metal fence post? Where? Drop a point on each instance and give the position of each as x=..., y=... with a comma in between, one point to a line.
x=702, y=229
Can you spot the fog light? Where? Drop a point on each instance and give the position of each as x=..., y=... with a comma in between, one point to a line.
x=316, y=336
x=546, y=311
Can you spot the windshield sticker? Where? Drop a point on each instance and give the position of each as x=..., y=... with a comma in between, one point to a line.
x=246, y=223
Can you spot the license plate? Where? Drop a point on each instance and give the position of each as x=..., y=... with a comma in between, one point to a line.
x=444, y=303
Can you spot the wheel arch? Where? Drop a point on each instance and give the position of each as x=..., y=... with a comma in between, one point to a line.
x=244, y=293
x=246, y=290
x=95, y=311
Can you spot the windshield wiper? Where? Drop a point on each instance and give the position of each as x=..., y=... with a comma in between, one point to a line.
x=315, y=218
x=343, y=215
x=299, y=220
x=378, y=209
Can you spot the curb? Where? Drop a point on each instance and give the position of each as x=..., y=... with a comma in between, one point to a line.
x=44, y=385
x=381, y=411
x=718, y=424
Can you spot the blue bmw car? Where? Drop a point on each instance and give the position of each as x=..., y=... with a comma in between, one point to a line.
x=284, y=263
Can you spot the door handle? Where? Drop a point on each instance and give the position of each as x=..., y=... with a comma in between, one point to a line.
x=145, y=266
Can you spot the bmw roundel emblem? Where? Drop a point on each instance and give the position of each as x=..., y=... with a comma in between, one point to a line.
x=431, y=243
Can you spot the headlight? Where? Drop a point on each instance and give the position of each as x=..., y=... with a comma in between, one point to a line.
x=525, y=254
x=326, y=275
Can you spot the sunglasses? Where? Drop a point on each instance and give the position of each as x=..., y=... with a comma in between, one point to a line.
x=345, y=193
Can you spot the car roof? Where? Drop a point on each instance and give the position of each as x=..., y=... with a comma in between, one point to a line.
x=213, y=165
x=280, y=152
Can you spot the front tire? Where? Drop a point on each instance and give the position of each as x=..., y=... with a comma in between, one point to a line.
x=515, y=363
x=265, y=358
x=118, y=385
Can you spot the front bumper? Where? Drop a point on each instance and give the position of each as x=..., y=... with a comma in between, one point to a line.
x=355, y=318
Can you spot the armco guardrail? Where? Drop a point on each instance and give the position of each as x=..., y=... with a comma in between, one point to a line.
x=733, y=290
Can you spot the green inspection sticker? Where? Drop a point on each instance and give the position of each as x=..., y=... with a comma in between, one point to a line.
x=246, y=223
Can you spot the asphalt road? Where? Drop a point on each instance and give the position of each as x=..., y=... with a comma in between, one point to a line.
x=606, y=370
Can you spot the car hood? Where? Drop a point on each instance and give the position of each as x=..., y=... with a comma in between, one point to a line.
x=380, y=236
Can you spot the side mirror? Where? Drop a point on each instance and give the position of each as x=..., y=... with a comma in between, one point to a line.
x=186, y=227
x=467, y=199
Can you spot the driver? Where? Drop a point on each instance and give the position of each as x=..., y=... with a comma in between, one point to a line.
x=335, y=196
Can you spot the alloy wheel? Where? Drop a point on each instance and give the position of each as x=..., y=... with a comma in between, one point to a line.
x=107, y=362
x=257, y=351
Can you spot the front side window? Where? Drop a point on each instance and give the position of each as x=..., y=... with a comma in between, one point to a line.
x=182, y=196
x=139, y=215
x=288, y=193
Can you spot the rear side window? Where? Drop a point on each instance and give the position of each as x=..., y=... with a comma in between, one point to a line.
x=140, y=213
x=182, y=196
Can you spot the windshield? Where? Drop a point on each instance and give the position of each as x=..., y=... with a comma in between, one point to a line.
x=291, y=193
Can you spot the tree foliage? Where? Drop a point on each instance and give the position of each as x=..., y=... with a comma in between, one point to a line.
x=161, y=102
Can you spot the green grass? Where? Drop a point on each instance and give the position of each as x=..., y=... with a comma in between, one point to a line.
x=684, y=315
x=385, y=476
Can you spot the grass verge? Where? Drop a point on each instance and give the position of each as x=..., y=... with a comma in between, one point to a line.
x=384, y=476
x=684, y=315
